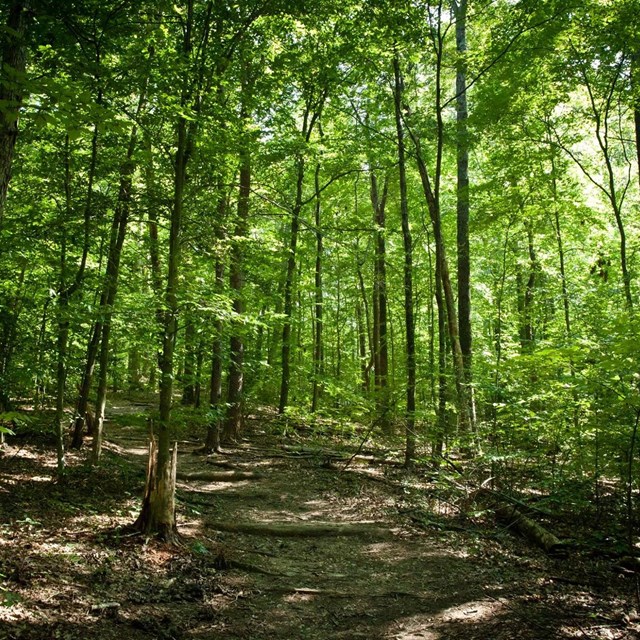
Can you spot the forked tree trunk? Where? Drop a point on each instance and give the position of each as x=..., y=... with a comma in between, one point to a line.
x=432, y=197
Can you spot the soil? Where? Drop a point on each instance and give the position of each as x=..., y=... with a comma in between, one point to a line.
x=69, y=569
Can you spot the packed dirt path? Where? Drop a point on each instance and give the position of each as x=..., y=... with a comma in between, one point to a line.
x=291, y=546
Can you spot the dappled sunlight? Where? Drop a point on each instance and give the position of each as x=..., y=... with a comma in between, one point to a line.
x=472, y=612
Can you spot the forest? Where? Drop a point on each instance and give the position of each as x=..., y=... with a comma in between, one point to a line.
x=380, y=257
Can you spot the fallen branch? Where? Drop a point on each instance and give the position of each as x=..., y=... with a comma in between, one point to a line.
x=309, y=530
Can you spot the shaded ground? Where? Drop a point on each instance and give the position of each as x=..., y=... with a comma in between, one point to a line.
x=67, y=570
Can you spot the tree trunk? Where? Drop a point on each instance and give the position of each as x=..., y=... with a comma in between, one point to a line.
x=288, y=287
x=11, y=90
x=157, y=516
x=526, y=296
x=380, y=345
x=188, y=371
x=432, y=196
x=116, y=242
x=66, y=291
x=82, y=403
x=410, y=434
x=233, y=421
x=635, y=87
x=318, y=346
x=462, y=197
x=311, y=115
x=212, y=441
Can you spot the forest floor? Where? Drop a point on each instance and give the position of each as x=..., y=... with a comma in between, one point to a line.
x=336, y=552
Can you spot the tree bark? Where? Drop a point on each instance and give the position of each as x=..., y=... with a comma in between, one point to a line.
x=116, y=242
x=462, y=202
x=318, y=346
x=410, y=436
x=380, y=344
x=212, y=441
x=157, y=516
x=310, y=117
x=233, y=421
x=11, y=90
x=432, y=196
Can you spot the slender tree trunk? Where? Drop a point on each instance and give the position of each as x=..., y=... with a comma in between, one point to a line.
x=635, y=86
x=462, y=197
x=526, y=296
x=362, y=347
x=310, y=118
x=157, y=516
x=61, y=344
x=9, y=322
x=11, y=90
x=432, y=196
x=441, y=411
x=368, y=362
x=380, y=342
x=212, y=442
x=82, y=403
x=410, y=434
x=66, y=291
x=235, y=389
x=318, y=347
x=288, y=287
x=116, y=242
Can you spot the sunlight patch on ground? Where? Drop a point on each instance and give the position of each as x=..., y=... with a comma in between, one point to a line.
x=472, y=612
x=390, y=552
x=299, y=597
x=15, y=478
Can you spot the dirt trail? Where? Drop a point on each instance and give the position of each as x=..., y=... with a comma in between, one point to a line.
x=406, y=585
x=396, y=581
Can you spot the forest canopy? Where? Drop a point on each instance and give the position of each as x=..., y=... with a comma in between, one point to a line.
x=420, y=216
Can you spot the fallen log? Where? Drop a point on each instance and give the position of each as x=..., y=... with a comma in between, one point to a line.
x=530, y=529
x=299, y=530
x=218, y=476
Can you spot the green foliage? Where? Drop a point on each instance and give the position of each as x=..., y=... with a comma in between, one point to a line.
x=554, y=201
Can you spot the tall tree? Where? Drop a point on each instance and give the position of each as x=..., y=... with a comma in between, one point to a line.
x=410, y=334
